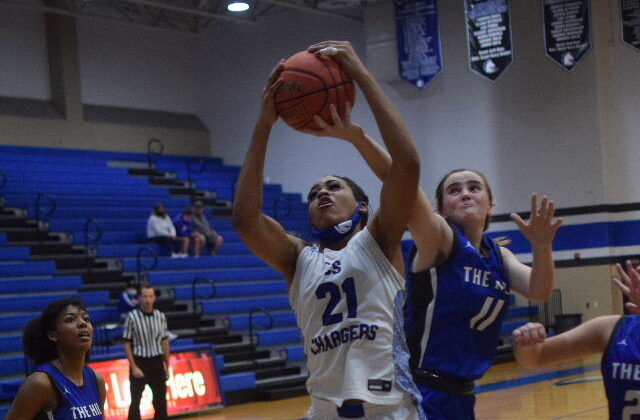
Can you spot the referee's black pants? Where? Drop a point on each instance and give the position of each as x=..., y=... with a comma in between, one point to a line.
x=154, y=375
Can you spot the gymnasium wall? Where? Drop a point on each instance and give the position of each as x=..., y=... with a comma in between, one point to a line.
x=571, y=135
x=23, y=53
x=110, y=87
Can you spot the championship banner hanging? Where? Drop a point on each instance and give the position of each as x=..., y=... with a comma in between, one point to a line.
x=192, y=385
x=630, y=20
x=567, y=31
x=418, y=39
x=488, y=36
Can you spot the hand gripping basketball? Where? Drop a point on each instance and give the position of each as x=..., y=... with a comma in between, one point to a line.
x=310, y=84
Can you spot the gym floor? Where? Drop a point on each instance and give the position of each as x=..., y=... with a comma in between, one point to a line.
x=568, y=391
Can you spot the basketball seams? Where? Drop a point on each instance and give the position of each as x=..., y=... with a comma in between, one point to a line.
x=325, y=89
x=321, y=82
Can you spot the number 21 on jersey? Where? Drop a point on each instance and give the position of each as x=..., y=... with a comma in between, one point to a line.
x=335, y=292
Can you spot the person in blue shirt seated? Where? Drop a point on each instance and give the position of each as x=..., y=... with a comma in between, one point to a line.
x=184, y=229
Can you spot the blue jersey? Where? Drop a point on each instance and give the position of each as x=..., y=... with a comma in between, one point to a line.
x=454, y=311
x=621, y=369
x=76, y=402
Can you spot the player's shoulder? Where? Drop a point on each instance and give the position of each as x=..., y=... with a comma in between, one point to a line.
x=39, y=382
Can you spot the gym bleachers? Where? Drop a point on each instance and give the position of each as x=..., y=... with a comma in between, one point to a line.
x=111, y=191
x=241, y=305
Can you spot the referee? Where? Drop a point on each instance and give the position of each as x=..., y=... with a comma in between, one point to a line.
x=147, y=348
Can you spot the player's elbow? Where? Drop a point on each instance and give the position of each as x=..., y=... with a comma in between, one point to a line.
x=409, y=165
x=241, y=218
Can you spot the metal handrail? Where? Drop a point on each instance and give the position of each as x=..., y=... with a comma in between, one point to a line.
x=151, y=152
x=191, y=169
x=39, y=199
x=39, y=210
x=91, y=238
x=276, y=208
x=193, y=291
x=251, y=338
x=139, y=262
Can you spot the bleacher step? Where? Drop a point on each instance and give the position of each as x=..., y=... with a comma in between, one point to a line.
x=238, y=356
x=144, y=172
x=251, y=365
x=227, y=348
x=114, y=287
x=281, y=393
x=287, y=381
x=277, y=372
x=84, y=271
x=192, y=332
x=216, y=340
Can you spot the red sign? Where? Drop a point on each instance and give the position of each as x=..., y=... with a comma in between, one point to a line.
x=192, y=385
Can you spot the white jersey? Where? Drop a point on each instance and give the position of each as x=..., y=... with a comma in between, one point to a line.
x=348, y=305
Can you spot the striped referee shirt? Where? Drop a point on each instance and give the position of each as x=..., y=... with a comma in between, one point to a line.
x=145, y=331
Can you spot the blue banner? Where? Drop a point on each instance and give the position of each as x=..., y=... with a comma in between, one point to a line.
x=418, y=38
x=489, y=37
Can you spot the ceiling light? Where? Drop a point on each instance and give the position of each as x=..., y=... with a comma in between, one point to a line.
x=238, y=6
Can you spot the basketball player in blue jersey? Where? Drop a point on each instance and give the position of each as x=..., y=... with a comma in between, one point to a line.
x=460, y=280
x=346, y=288
x=62, y=387
x=618, y=337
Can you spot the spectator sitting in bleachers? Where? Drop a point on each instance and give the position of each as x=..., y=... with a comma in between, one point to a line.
x=160, y=230
x=128, y=301
x=184, y=229
x=202, y=226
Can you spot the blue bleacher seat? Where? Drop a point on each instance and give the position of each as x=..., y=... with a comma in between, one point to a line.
x=230, y=289
x=278, y=336
x=237, y=381
x=235, y=305
x=274, y=319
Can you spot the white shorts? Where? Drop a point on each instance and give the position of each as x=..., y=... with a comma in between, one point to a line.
x=326, y=410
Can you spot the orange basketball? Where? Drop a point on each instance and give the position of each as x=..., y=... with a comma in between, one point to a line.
x=311, y=84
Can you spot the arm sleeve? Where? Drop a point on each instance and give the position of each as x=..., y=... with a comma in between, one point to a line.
x=165, y=329
x=128, y=328
x=151, y=232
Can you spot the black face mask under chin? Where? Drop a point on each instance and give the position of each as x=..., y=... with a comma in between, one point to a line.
x=336, y=233
x=160, y=214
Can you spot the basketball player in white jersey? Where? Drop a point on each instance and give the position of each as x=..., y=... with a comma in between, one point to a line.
x=346, y=287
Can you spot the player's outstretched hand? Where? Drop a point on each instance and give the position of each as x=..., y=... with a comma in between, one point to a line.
x=529, y=334
x=268, y=113
x=343, y=53
x=339, y=128
x=629, y=283
x=540, y=228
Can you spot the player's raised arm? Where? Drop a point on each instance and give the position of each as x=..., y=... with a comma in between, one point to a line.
x=401, y=182
x=629, y=283
x=430, y=232
x=262, y=234
x=536, y=282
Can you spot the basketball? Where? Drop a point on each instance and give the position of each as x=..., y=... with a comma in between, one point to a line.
x=311, y=84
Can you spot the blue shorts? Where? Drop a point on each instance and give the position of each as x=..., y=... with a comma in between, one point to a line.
x=439, y=405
